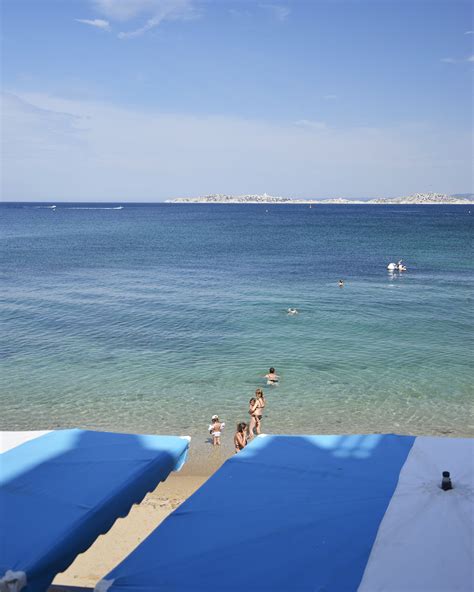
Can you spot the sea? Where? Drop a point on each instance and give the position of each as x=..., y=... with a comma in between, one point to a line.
x=150, y=318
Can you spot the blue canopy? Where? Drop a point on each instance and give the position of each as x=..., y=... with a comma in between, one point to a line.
x=60, y=491
x=307, y=513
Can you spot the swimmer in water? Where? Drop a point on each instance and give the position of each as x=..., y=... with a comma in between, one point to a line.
x=400, y=266
x=341, y=283
x=272, y=377
x=292, y=311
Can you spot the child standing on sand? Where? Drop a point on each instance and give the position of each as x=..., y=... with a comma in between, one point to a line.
x=215, y=430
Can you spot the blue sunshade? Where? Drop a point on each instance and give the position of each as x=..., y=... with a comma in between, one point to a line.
x=60, y=491
x=288, y=513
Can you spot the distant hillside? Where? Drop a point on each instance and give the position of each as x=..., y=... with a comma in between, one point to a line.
x=417, y=198
x=423, y=198
x=469, y=196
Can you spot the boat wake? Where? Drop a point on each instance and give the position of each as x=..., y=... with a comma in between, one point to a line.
x=65, y=207
x=92, y=208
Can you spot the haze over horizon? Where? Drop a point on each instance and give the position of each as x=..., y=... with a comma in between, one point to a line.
x=148, y=100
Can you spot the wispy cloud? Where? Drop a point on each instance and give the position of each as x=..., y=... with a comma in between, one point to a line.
x=240, y=12
x=279, y=12
x=311, y=124
x=121, y=10
x=453, y=61
x=98, y=23
x=153, y=12
x=329, y=97
x=31, y=129
x=469, y=33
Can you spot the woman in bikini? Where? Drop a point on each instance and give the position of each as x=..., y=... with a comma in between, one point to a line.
x=260, y=407
x=253, y=412
x=240, y=437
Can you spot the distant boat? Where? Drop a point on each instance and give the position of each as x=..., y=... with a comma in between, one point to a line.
x=396, y=267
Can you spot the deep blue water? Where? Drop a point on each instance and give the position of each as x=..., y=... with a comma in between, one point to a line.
x=153, y=317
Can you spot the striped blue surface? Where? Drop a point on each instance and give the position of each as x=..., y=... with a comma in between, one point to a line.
x=60, y=491
x=287, y=513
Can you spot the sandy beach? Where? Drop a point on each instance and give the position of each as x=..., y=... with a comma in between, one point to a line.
x=127, y=533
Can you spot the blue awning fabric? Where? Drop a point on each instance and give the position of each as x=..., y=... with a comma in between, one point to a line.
x=317, y=513
x=60, y=491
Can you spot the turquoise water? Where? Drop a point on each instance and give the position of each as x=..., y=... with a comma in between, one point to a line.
x=152, y=318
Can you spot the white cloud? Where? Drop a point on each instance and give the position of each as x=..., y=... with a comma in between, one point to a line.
x=453, y=61
x=330, y=97
x=152, y=13
x=29, y=130
x=99, y=23
x=279, y=12
x=469, y=33
x=84, y=150
x=123, y=10
x=311, y=124
x=240, y=12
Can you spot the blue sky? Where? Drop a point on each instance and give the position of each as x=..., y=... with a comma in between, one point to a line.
x=144, y=100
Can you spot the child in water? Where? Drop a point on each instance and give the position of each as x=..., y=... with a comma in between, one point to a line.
x=215, y=430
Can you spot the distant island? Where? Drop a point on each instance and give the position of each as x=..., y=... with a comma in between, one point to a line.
x=417, y=198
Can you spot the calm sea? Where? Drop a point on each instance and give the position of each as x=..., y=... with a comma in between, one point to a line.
x=151, y=318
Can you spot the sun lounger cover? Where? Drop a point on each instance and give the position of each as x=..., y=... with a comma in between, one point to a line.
x=318, y=513
x=60, y=491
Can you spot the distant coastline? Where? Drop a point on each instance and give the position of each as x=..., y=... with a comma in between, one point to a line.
x=415, y=199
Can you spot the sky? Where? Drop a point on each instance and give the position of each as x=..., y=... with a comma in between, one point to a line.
x=148, y=100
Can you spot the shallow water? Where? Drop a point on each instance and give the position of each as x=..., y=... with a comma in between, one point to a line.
x=152, y=318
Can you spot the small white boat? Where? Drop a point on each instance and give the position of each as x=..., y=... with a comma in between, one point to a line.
x=396, y=266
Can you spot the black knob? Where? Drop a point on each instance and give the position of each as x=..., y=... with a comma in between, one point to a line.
x=446, y=484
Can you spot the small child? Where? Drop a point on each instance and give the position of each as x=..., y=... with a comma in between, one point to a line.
x=215, y=430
